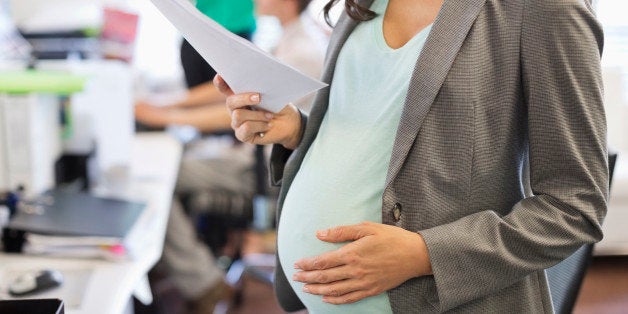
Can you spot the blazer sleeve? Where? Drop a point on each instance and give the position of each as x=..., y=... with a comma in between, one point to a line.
x=286, y=296
x=485, y=252
x=279, y=156
x=288, y=299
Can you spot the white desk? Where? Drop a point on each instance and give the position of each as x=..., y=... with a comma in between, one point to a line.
x=150, y=178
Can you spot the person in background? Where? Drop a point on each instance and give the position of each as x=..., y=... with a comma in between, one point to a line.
x=188, y=261
x=404, y=190
x=238, y=17
x=301, y=45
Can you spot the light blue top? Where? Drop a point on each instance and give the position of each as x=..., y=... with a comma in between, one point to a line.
x=341, y=180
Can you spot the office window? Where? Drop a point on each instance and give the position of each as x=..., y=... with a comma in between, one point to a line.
x=611, y=13
x=156, y=54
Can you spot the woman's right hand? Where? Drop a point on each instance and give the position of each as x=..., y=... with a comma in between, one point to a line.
x=258, y=126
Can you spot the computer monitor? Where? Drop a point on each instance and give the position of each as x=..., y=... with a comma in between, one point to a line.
x=59, y=29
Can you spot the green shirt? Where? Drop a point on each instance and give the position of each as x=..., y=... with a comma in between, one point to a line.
x=235, y=15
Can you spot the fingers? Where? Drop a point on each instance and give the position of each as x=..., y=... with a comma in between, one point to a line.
x=324, y=261
x=350, y=297
x=336, y=289
x=249, y=131
x=240, y=116
x=341, y=256
x=324, y=276
x=235, y=101
x=250, y=125
x=344, y=291
x=222, y=85
x=239, y=101
x=346, y=233
x=351, y=288
x=338, y=285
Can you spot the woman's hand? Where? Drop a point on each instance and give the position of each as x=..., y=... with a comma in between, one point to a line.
x=378, y=258
x=257, y=126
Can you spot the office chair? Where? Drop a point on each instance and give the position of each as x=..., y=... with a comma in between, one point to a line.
x=565, y=278
x=225, y=215
x=259, y=265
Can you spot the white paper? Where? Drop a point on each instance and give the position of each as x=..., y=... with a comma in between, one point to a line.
x=245, y=67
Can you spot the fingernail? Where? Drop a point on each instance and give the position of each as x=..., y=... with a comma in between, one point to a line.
x=322, y=233
x=255, y=97
x=306, y=289
x=270, y=125
x=296, y=266
x=269, y=115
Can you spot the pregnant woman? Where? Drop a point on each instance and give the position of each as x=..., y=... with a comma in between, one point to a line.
x=404, y=190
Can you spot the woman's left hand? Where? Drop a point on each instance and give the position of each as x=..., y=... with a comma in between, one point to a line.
x=378, y=258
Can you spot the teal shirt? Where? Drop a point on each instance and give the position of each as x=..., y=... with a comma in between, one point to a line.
x=342, y=177
x=237, y=16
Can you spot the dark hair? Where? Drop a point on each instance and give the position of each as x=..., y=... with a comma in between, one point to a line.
x=303, y=5
x=353, y=9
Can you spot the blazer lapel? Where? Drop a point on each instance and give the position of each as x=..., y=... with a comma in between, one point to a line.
x=439, y=52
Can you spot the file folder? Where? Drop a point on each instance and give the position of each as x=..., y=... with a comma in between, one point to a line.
x=77, y=214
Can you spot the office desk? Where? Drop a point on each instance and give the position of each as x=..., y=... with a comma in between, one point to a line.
x=109, y=285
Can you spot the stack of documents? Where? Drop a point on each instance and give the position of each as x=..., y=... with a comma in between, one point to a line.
x=75, y=246
x=76, y=224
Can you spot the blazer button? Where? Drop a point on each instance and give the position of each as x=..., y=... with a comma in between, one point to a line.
x=396, y=212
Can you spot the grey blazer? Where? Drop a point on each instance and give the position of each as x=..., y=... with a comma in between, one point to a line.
x=499, y=83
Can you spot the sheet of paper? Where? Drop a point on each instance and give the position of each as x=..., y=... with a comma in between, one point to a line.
x=245, y=67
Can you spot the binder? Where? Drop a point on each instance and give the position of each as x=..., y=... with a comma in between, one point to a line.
x=61, y=213
x=73, y=224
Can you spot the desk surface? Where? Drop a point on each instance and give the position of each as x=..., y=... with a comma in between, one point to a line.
x=108, y=285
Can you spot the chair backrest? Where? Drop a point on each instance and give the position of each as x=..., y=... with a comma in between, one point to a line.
x=565, y=278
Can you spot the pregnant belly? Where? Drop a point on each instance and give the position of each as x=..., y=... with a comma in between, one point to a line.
x=297, y=239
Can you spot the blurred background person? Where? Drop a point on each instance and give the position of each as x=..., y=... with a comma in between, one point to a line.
x=301, y=45
x=224, y=165
x=186, y=261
